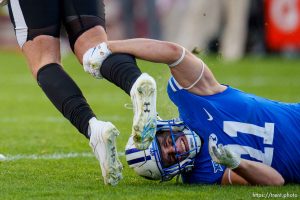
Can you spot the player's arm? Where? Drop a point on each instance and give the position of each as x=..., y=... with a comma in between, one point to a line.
x=253, y=173
x=188, y=70
x=148, y=49
x=231, y=178
x=245, y=171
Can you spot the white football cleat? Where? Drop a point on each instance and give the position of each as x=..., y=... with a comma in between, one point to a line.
x=103, y=142
x=143, y=97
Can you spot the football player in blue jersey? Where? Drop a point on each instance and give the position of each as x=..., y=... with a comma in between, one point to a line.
x=223, y=135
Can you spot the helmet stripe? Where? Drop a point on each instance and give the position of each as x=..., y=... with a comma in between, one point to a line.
x=137, y=160
x=130, y=151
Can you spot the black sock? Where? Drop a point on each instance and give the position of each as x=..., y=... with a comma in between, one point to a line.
x=122, y=70
x=65, y=95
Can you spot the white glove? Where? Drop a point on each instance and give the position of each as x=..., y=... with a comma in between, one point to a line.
x=93, y=59
x=223, y=155
x=3, y=2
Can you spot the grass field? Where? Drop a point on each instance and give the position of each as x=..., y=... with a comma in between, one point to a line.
x=48, y=159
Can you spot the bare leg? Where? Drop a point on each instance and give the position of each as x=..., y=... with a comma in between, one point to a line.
x=40, y=51
x=89, y=39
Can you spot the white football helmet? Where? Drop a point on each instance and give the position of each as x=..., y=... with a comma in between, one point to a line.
x=148, y=163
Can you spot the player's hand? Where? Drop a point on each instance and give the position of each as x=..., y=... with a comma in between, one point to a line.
x=3, y=2
x=223, y=155
x=93, y=59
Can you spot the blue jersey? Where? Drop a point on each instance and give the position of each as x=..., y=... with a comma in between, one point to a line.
x=255, y=128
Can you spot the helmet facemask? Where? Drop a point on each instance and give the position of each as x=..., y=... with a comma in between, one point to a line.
x=178, y=142
x=185, y=146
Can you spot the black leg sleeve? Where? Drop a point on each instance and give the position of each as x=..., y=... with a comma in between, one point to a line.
x=122, y=70
x=65, y=95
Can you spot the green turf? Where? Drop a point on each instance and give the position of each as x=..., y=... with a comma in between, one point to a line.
x=31, y=125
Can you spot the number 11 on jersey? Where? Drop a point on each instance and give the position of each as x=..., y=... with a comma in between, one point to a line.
x=231, y=128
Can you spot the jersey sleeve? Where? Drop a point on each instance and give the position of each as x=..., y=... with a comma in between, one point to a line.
x=174, y=89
